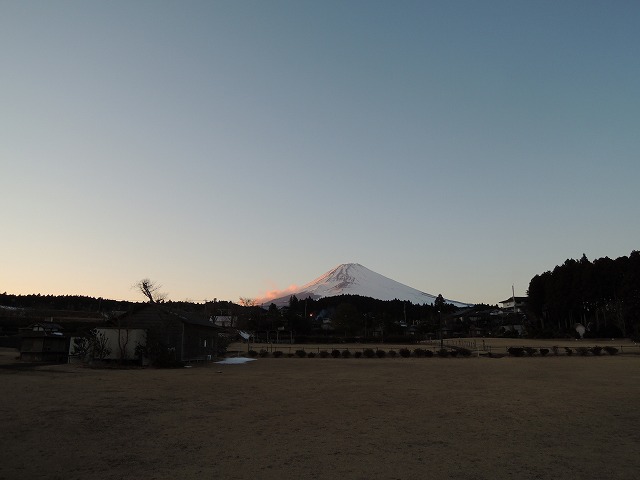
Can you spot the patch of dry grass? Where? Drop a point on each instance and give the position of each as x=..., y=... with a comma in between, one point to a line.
x=477, y=418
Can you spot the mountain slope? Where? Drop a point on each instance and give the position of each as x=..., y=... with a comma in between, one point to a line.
x=354, y=279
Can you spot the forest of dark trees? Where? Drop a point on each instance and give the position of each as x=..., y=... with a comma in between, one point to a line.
x=603, y=294
x=62, y=302
x=351, y=316
x=80, y=303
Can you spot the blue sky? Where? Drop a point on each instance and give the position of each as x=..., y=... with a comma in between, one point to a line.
x=230, y=148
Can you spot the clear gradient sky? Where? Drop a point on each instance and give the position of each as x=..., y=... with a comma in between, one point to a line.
x=231, y=148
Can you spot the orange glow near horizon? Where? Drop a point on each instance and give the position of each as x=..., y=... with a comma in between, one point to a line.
x=273, y=294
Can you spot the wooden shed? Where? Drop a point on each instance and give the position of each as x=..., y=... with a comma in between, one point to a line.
x=186, y=336
x=44, y=342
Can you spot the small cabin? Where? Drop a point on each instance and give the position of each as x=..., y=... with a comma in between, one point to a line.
x=44, y=342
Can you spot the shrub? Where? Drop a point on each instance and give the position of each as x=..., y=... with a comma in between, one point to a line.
x=311, y=355
x=100, y=345
x=392, y=353
x=291, y=355
x=443, y=352
x=465, y=352
x=568, y=351
x=357, y=354
x=556, y=349
x=596, y=350
x=369, y=353
x=277, y=354
x=142, y=350
x=405, y=352
x=516, y=351
x=263, y=353
x=346, y=354
x=428, y=353
x=453, y=353
x=252, y=353
x=380, y=353
x=301, y=353
x=419, y=352
x=96, y=346
x=323, y=354
x=82, y=347
x=163, y=356
x=582, y=351
x=544, y=351
x=335, y=353
x=530, y=351
x=611, y=350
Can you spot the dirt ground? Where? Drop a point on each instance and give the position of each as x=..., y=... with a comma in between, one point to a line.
x=287, y=418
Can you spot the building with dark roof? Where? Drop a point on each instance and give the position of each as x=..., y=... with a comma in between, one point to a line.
x=186, y=336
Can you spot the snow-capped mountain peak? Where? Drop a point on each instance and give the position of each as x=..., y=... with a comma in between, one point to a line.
x=355, y=279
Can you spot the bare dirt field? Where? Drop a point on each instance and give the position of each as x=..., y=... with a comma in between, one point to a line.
x=287, y=418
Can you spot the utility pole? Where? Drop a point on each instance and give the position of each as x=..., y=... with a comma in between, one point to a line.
x=513, y=297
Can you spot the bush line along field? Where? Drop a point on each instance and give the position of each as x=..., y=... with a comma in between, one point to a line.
x=450, y=348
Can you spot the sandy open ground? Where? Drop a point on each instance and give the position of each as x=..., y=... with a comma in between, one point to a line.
x=287, y=418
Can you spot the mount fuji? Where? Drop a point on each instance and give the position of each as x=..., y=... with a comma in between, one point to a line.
x=354, y=279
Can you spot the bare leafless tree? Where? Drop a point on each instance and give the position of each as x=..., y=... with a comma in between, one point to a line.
x=122, y=324
x=247, y=302
x=151, y=290
x=101, y=347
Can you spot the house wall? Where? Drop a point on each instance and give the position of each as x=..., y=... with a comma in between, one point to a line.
x=44, y=349
x=199, y=342
x=224, y=320
x=130, y=338
x=161, y=327
x=32, y=344
x=185, y=339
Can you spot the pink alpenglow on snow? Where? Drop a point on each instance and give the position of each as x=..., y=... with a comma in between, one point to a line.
x=354, y=279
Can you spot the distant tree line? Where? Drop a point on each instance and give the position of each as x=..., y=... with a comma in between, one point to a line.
x=603, y=295
x=62, y=302
x=79, y=303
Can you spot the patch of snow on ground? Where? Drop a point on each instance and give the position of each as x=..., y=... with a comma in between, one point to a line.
x=235, y=361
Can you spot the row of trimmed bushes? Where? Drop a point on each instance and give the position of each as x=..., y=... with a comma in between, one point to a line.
x=583, y=351
x=422, y=353
x=368, y=353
